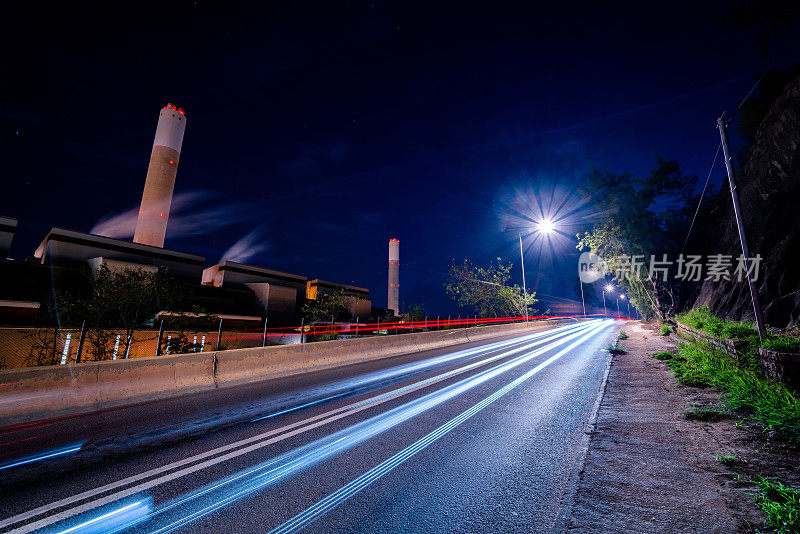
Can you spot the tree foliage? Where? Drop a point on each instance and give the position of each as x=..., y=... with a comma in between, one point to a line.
x=486, y=290
x=327, y=306
x=124, y=299
x=644, y=218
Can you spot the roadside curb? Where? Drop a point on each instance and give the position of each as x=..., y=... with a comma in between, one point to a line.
x=568, y=498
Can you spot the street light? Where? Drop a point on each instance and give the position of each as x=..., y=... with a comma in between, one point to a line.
x=522, y=264
x=545, y=227
x=620, y=297
x=609, y=288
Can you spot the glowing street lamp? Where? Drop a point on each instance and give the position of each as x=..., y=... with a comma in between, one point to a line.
x=546, y=226
x=610, y=289
x=620, y=297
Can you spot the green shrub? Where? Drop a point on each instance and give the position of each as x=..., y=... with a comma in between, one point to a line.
x=782, y=344
x=664, y=330
x=663, y=355
x=781, y=504
x=726, y=459
x=616, y=348
x=770, y=403
x=739, y=330
x=622, y=335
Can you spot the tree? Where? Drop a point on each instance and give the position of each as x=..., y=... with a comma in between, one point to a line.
x=486, y=290
x=327, y=306
x=644, y=219
x=124, y=299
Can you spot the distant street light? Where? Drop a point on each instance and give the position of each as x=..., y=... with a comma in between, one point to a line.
x=609, y=288
x=620, y=297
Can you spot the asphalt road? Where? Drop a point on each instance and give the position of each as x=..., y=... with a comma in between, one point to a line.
x=484, y=437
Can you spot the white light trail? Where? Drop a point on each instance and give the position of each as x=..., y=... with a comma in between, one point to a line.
x=342, y=494
x=220, y=454
x=44, y=456
x=253, y=479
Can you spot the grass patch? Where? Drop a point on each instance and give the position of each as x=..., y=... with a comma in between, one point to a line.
x=663, y=355
x=727, y=460
x=687, y=374
x=664, y=330
x=707, y=415
x=622, y=335
x=769, y=403
x=782, y=344
x=781, y=504
x=616, y=348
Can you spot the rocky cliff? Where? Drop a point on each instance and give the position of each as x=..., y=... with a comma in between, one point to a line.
x=769, y=189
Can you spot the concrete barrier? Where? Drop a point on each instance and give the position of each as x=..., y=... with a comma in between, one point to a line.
x=38, y=392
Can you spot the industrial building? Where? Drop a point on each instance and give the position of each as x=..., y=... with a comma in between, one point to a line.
x=8, y=227
x=281, y=294
x=358, y=297
x=242, y=293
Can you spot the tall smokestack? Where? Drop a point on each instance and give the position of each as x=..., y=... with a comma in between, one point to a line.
x=151, y=226
x=394, y=275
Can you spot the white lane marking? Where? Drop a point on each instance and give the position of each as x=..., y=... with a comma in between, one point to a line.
x=345, y=492
x=303, y=457
x=285, y=432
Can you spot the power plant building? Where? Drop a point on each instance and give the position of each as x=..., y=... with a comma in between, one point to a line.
x=394, y=276
x=151, y=226
x=279, y=293
x=357, y=297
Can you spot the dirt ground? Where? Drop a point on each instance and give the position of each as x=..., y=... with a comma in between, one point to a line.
x=650, y=469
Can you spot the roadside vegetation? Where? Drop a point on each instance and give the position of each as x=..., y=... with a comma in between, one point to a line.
x=781, y=504
x=622, y=335
x=664, y=331
x=701, y=318
x=774, y=407
x=616, y=348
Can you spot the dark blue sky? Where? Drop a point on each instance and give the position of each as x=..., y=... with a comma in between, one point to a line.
x=321, y=130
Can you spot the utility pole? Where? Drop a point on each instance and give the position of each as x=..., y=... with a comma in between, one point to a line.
x=582, y=301
x=605, y=312
x=737, y=210
x=524, y=289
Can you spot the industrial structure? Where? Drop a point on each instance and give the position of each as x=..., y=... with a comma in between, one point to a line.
x=357, y=297
x=244, y=295
x=151, y=226
x=394, y=276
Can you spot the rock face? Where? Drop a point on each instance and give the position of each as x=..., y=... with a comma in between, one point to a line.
x=769, y=190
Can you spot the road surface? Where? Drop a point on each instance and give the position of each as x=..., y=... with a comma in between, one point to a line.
x=484, y=437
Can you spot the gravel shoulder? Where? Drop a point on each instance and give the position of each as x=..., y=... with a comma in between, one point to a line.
x=650, y=469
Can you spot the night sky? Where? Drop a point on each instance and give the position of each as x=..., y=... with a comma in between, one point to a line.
x=318, y=131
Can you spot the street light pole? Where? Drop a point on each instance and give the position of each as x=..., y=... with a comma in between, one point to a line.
x=522, y=264
x=580, y=283
x=605, y=311
x=737, y=210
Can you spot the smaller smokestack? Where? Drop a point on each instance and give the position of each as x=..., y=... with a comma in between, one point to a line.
x=394, y=276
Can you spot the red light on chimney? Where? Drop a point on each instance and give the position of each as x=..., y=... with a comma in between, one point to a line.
x=180, y=110
x=140, y=211
x=171, y=162
x=160, y=214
